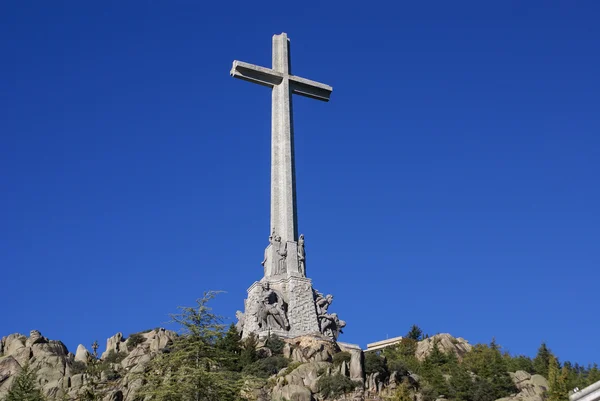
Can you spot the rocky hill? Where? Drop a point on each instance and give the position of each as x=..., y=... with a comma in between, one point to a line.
x=315, y=361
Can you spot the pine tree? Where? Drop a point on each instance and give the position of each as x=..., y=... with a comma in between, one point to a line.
x=248, y=353
x=557, y=380
x=403, y=352
x=230, y=344
x=415, y=333
x=541, y=360
x=24, y=387
x=460, y=385
x=592, y=375
x=193, y=367
x=488, y=363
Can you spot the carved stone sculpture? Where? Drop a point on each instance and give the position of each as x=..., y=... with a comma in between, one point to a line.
x=301, y=256
x=322, y=303
x=281, y=255
x=240, y=323
x=266, y=258
x=331, y=325
x=272, y=311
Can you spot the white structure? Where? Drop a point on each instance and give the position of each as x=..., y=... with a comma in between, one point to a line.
x=284, y=302
x=590, y=393
x=383, y=344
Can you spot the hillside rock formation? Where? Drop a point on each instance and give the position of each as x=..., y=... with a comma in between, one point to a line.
x=58, y=371
x=64, y=374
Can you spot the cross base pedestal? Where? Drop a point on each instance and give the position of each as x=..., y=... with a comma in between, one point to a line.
x=281, y=306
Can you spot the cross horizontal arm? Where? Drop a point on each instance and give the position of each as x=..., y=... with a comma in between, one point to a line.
x=312, y=89
x=254, y=73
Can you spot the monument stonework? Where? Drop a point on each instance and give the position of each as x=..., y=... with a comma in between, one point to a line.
x=284, y=301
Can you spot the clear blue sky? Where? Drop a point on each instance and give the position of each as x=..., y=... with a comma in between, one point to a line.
x=451, y=182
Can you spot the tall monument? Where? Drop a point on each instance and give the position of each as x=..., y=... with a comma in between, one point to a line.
x=284, y=302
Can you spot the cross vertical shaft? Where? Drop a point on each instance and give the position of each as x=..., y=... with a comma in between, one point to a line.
x=284, y=217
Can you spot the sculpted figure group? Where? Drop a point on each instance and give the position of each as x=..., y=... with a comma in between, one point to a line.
x=272, y=310
x=267, y=309
x=329, y=323
x=281, y=254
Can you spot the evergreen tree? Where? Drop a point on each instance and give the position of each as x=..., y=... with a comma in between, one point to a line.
x=375, y=364
x=461, y=385
x=432, y=370
x=488, y=363
x=415, y=333
x=404, y=352
x=592, y=375
x=542, y=360
x=24, y=387
x=574, y=377
x=230, y=344
x=436, y=357
x=275, y=344
x=248, y=354
x=557, y=380
x=519, y=362
x=192, y=369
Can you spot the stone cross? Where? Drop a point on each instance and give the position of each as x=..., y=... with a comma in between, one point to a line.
x=284, y=219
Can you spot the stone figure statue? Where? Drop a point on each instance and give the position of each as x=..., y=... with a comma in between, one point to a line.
x=322, y=303
x=281, y=256
x=272, y=305
x=301, y=256
x=240, y=323
x=331, y=325
x=271, y=241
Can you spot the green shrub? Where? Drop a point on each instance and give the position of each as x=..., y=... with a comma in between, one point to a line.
x=402, y=393
x=341, y=357
x=335, y=386
x=375, y=364
x=77, y=367
x=25, y=387
x=398, y=366
x=266, y=367
x=428, y=393
x=112, y=375
x=134, y=340
x=114, y=357
x=275, y=344
x=291, y=367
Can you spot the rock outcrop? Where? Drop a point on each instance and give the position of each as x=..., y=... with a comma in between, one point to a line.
x=82, y=354
x=63, y=374
x=310, y=349
x=531, y=387
x=57, y=371
x=446, y=343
